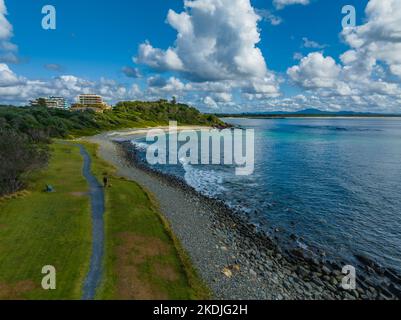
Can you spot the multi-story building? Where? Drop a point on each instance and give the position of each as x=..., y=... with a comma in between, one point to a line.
x=90, y=99
x=90, y=102
x=56, y=102
x=50, y=102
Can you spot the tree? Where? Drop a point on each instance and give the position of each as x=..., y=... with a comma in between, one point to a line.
x=18, y=158
x=174, y=100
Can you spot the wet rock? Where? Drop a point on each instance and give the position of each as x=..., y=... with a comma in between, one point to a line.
x=331, y=288
x=317, y=281
x=334, y=281
x=308, y=286
x=355, y=293
x=326, y=278
x=303, y=272
x=392, y=276
x=326, y=270
x=297, y=253
x=337, y=273
x=395, y=290
x=315, y=262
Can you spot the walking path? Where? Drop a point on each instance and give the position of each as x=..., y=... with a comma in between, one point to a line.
x=94, y=275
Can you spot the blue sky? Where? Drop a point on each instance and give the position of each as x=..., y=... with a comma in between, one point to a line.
x=96, y=39
x=118, y=27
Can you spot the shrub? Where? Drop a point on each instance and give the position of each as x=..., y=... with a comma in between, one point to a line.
x=19, y=157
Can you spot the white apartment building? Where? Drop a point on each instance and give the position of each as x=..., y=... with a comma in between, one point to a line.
x=90, y=99
x=52, y=102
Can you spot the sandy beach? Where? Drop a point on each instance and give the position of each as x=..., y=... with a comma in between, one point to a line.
x=233, y=260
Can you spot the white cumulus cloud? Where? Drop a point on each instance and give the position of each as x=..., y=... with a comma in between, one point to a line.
x=380, y=37
x=7, y=77
x=315, y=71
x=216, y=51
x=367, y=73
x=19, y=90
x=216, y=40
x=7, y=49
x=158, y=59
x=280, y=4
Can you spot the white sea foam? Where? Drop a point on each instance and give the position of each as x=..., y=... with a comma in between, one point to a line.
x=207, y=181
x=141, y=146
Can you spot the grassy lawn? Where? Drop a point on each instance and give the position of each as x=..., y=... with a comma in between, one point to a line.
x=38, y=229
x=143, y=259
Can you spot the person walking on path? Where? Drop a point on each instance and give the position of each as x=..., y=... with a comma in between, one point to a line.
x=105, y=181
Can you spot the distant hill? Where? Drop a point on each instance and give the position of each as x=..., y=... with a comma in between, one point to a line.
x=311, y=112
x=339, y=113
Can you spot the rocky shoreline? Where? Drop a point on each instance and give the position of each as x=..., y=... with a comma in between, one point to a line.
x=290, y=272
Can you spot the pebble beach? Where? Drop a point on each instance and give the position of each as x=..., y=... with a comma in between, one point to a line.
x=232, y=257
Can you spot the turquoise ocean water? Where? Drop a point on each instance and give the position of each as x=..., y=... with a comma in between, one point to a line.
x=334, y=183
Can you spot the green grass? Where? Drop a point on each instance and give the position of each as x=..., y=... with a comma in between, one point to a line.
x=39, y=229
x=131, y=210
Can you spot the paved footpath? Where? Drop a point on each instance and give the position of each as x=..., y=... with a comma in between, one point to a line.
x=96, y=194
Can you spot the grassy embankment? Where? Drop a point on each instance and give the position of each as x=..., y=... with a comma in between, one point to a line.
x=38, y=229
x=143, y=259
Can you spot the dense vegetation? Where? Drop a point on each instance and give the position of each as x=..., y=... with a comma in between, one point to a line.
x=42, y=122
x=25, y=131
x=161, y=112
x=19, y=156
